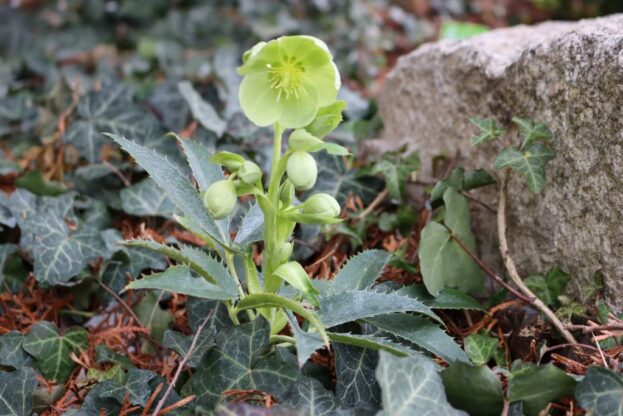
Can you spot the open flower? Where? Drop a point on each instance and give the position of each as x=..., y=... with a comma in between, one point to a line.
x=287, y=80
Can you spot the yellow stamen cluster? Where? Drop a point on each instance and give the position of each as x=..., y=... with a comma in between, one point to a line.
x=286, y=77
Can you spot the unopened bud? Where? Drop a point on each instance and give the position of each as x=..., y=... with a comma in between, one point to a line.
x=302, y=170
x=249, y=172
x=287, y=193
x=220, y=199
x=323, y=205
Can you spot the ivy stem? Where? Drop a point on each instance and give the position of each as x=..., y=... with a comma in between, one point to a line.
x=512, y=269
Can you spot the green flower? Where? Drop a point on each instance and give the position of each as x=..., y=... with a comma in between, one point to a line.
x=322, y=204
x=287, y=80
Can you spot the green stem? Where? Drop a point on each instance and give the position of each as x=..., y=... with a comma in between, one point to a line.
x=231, y=266
x=278, y=339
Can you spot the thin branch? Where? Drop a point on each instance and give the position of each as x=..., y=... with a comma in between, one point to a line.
x=489, y=271
x=479, y=202
x=585, y=329
x=181, y=365
x=512, y=269
x=373, y=205
x=122, y=303
x=601, y=353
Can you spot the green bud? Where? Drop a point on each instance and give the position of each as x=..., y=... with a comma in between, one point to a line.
x=284, y=252
x=249, y=172
x=322, y=205
x=287, y=193
x=302, y=170
x=231, y=161
x=220, y=199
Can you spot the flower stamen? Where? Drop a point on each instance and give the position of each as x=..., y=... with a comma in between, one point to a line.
x=286, y=77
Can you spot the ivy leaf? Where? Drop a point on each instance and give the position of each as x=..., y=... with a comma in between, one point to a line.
x=6, y=251
x=16, y=391
x=396, y=173
x=309, y=397
x=176, y=185
x=11, y=352
x=549, y=287
x=411, y=386
x=601, y=392
x=480, y=348
x=179, y=279
x=489, y=130
x=530, y=163
x=361, y=271
x=531, y=131
x=136, y=387
x=202, y=111
x=536, y=386
x=339, y=308
x=477, y=390
x=422, y=333
x=146, y=199
x=109, y=110
x=236, y=363
x=51, y=349
x=180, y=343
x=443, y=262
x=354, y=372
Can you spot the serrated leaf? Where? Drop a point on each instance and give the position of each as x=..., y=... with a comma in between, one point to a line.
x=306, y=342
x=252, y=227
x=536, y=386
x=51, y=349
x=411, y=386
x=181, y=343
x=179, y=279
x=530, y=163
x=443, y=262
x=108, y=110
x=477, y=390
x=16, y=391
x=339, y=308
x=448, y=298
x=489, y=130
x=531, y=131
x=361, y=271
x=480, y=348
x=146, y=199
x=202, y=111
x=175, y=184
x=235, y=363
x=422, y=332
x=198, y=156
x=11, y=352
x=601, y=392
x=354, y=372
x=371, y=342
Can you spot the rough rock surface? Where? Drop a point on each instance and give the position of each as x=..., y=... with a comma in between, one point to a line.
x=567, y=75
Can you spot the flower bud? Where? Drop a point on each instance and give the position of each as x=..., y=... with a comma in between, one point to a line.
x=286, y=195
x=302, y=170
x=249, y=172
x=322, y=205
x=284, y=252
x=220, y=199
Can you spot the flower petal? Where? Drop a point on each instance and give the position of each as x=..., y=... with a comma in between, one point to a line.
x=260, y=58
x=300, y=111
x=310, y=51
x=326, y=81
x=259, y=101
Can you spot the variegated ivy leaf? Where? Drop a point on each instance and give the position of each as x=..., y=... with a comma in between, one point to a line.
x=480, y=348
x=51, y=349
x=308, y=397
x=529, y=162
x=601, y=392
x=531, y=131
x=109, y=110
x=489, y=130
x=237, y=363
x=145, y=198
x=354, y=372
x=181, y=343
x=412, y=386
x=16, y=391
x=11, y=352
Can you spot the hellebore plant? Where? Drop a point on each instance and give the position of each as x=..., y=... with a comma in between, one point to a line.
x=290, y=83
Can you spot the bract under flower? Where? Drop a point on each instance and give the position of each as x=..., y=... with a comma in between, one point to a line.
x=287, y=80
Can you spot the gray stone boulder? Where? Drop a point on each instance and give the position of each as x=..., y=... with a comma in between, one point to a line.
x=566, y=75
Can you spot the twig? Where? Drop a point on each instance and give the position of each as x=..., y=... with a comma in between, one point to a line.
x=601, y=353
x=479, y=202
x=181, y=365
x=122, y=303
x=585, y=329
x=375, y=203
x=490, y=271
x=512, y=269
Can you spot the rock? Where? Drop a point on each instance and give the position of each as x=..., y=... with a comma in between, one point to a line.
x=567, y=75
